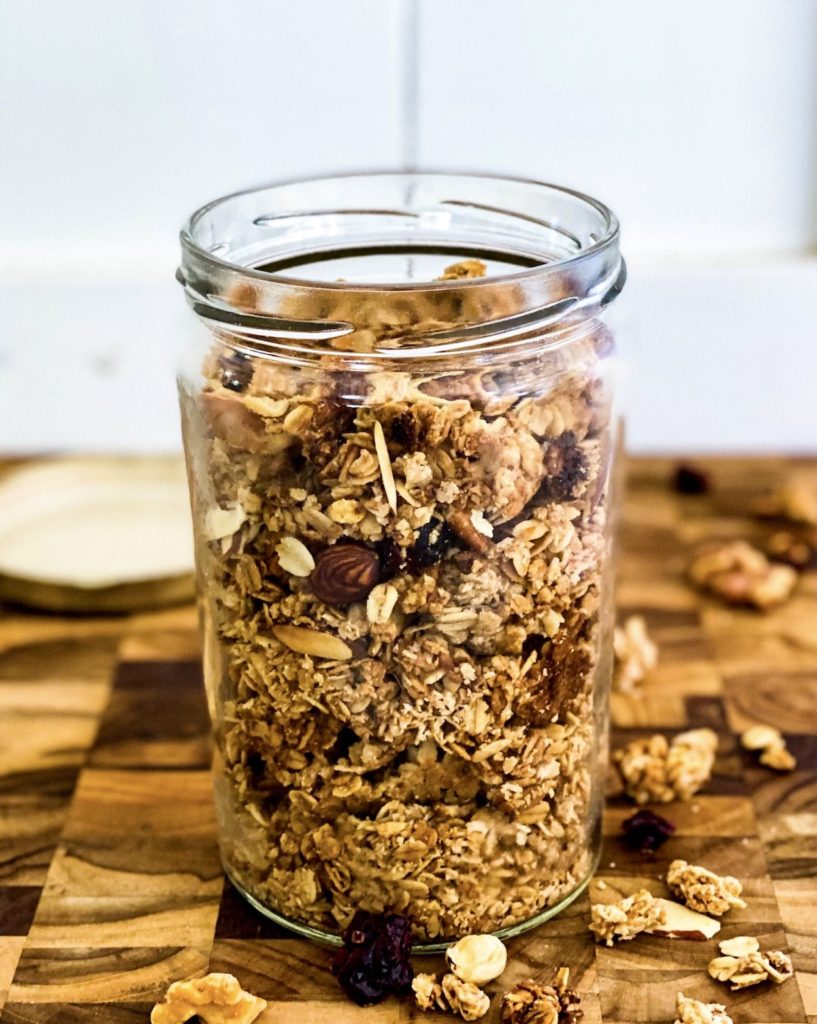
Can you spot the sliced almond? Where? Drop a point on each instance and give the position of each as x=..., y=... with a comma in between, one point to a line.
x=386, y=473
x=309, y=641
x=759, y=737
x=223, y=522
x=682, y=923
x=741, y=945
x=294, y=556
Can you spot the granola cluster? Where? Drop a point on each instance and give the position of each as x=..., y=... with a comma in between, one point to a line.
x=402, y=579
x=213, y=999
x=693, y=1011
x=704, y=890
x=740, y=574
x=770, y=744
x=530, y=1002
x=655, y=769
x=742, y=964
x=623, y=920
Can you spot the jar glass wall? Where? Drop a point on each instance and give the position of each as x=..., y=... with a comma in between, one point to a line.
x=399, y=428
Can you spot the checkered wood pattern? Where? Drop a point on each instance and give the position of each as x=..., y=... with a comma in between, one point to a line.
x=110, y=884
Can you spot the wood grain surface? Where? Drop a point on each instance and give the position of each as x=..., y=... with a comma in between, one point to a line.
x=110, y=883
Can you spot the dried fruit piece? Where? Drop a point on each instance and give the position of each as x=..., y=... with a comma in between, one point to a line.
x=477, y=958
x=689, y=480
x=294, y=556
x=703, y=890
x=374, y=960
x=309, y=641
x=646, y=831
x=428, y=549
x=623, y=920
x=345, y=573
x=679, y=922
x=213, y=999
x=693, y=1011
x=636, y=655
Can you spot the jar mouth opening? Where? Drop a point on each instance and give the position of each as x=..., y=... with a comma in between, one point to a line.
x=522, y=229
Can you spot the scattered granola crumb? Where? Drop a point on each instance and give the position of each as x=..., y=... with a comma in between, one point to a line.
x=636, y=654
x=530, y=1002
x=795, y=547
x=751, y=967
x=622, y=921
x=693, y=1011
x=703, y=890
x=772, y=746
x=214, y=999
x=654, y=769
x=646, y=831
x=428, y=993
x=741, y=574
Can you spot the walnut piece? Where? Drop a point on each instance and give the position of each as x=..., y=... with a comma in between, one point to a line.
x=636, y=655
x=740, y=574
x=772, y=746
x=428, y=993
x=751, y=967
x=214, y=999
x=703, y=890
x=655, y=770
x=530, y=1002
x=693, y=1011
x=477, y=958
x=622, y=921
x=463, y=998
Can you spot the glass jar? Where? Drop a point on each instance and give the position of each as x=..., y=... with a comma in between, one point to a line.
x=399, y=431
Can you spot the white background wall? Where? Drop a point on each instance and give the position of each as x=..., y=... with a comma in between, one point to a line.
x=696, y=122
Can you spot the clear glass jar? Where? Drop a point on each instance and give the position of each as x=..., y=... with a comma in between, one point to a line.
x=399, y=430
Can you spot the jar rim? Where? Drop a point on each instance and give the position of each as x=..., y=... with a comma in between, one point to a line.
x=608, y=239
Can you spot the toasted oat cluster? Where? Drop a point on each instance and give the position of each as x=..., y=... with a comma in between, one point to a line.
x=693, y=1011
x=530, y=1002
x=703, y=890
x=402, y=577
x=621, y=921
x=741, y=574
x=213, y=999
x=656, y=770
x=636, y=654
x=742, y=964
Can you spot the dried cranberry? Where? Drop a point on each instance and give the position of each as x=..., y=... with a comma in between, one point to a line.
x=392, y=558
x=689, y=480
x=374, y=959
x=565, y=468
x=646, y=831
x=428, y=549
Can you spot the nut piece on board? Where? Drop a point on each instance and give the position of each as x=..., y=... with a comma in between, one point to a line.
x=636, y=655
x=772, y=746
x=627, y=918
x=741, y=945
x=682, y=923
x=703, y=890
x=463, y=998
x=530, y=1002
x=693, y=1011
x=740, y=574
x=795, y=501
x=751, y=967
x=655, y=770
x=477, y=958
x=214, y=999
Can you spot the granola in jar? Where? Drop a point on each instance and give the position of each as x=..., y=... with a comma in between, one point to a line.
x=406, y=612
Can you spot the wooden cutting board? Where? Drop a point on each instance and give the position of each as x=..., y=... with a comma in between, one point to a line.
x=110, y=885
